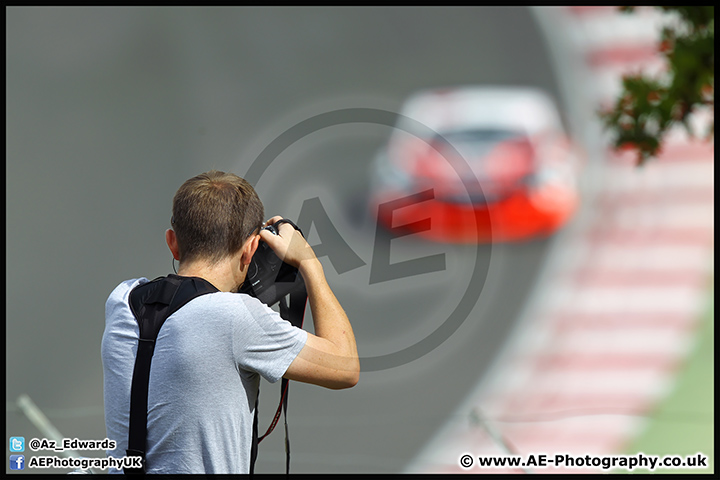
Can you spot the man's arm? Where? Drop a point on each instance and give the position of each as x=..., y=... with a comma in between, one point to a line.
x=329, y=358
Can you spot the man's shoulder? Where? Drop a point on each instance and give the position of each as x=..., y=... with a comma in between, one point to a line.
x=124, y=287
x=119, y=294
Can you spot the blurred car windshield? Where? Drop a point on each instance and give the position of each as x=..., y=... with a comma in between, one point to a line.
x=474, y=144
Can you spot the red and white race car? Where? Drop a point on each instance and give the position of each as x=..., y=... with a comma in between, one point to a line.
x=476, y=164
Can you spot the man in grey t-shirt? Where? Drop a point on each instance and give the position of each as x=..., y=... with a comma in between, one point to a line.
x=210, y=354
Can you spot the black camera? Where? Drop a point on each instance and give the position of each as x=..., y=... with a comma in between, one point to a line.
x=269, y=279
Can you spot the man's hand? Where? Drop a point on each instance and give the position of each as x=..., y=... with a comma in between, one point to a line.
x=329, y=357
x=289, y=244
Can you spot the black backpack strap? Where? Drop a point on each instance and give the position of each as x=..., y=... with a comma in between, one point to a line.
x=152, y=303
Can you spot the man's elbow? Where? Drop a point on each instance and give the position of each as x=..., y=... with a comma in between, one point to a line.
x=353, y=379
x=348, y=379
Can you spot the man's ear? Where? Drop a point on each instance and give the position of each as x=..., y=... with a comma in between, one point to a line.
x=249, y=249
x=171, y=240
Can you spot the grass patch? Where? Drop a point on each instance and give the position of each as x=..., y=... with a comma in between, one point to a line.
x=683, y=424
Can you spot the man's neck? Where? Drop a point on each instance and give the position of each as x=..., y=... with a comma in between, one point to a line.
x=223, y=275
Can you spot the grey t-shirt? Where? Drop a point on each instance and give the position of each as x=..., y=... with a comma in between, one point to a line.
x=204, y=378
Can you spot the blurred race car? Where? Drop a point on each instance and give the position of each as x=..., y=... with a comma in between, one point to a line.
x=476, y=164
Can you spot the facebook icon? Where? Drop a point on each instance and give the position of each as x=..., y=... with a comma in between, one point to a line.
x=17, y=462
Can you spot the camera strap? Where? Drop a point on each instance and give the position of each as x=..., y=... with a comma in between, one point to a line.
x=294, y=312
x=152, y=303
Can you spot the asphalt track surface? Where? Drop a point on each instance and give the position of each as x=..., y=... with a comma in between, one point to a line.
x=110, y=110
